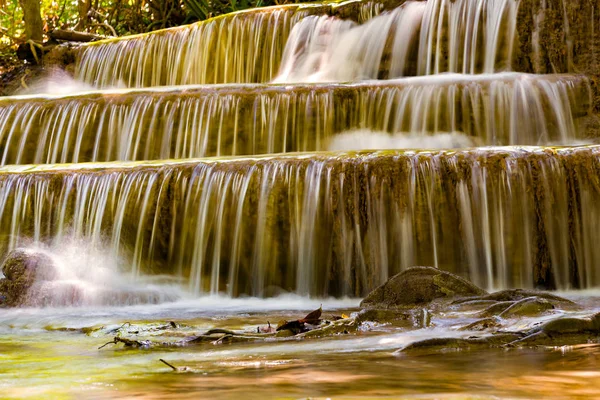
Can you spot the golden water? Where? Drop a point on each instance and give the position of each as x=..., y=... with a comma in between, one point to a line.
x=240, y=47
x=199, y=121
x=324, y=223
x=466, y=36
x=50, y=358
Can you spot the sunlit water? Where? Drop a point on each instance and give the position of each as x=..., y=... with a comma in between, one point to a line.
x=43, y=355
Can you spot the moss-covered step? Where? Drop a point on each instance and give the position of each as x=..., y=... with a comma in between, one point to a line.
x=525, y=36
x=323, y=223
x=242, y=47
x=218, y=120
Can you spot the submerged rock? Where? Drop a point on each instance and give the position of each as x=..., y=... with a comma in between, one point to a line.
x=419, y=285
x=495, y=309
x=384, y=316
x=482, y=325
x=528, y=307
x=519, y=294
x=442, y=345
x=563, y=331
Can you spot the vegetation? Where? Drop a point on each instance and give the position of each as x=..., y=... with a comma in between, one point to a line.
x=105, y=17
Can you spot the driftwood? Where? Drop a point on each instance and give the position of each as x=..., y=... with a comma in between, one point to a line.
x=74, y=36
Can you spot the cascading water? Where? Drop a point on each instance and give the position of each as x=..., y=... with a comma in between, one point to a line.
x=324, y=224
x=418, y=38
x=198, y=121
x=203, y=235
x=239, y=47
x=317, y=223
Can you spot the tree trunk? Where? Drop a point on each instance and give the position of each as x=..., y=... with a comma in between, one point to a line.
x=33, y=20
x=83, y=7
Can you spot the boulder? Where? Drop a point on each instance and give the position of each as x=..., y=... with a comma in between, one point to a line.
x=32, y=279
x=420, y=285
x=28, y=266
x=25, y=272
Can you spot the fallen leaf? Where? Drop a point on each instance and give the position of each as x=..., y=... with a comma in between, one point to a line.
x=313, y=318
x=295, y=327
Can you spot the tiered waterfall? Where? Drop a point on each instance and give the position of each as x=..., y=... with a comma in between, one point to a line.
x=264, y=96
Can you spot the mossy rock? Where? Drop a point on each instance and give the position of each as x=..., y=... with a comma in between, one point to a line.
x=495, y=309
x=25, y=271
x=383, y=316
x=420, y=285
x=528, y=307
x=515, y=295
x=563, y=331
x=443, y=345
x=28, y=266
x=482, y=325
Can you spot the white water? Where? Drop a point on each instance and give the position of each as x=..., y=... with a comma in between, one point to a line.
x=418, y=38
x=91, y=275
x=365, y=139
x=188, y=307
x=58, y=83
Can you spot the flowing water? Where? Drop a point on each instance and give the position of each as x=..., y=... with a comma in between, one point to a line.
x=327, y=224
x=52, y=358
x=382, y=107
x=240, y=47
x=198, y=121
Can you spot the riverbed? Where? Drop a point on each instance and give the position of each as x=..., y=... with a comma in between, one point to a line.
x=54, y=353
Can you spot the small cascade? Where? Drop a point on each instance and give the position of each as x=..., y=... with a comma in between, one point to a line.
x=418, y=38
x=241, y=47
x=324, y=224
x=198, y=121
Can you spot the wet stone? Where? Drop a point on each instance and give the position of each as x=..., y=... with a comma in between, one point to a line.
x=27, y=274
x=443, y=345
x=482, y=325
x=496, y=309
x=383, y=316
x=528, y=307
x=28, y=266
x=420, y=285
x=520, y=294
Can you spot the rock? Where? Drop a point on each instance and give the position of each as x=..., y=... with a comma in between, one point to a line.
x=473, y=305
x=482, y=325
x=495, y=309
x=29, y=266
x=528, y=307
x=443, y=345
x=383, y=316
x=562, y=331
x=419, y=285
x=520, y=294
x=32, y=279
x=26, y=271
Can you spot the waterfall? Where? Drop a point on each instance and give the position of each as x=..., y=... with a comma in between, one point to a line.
x=198, y=121
x=417, y=38
x=304, y=79
x=324, y=224
x=240, y=47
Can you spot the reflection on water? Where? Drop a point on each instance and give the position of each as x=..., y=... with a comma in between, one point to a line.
x=43, y=354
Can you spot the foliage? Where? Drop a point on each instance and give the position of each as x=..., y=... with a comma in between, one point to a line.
x=110, y=17
x=203, y=9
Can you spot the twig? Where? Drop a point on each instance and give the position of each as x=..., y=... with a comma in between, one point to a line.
x=166, y=363
x=104, y=25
